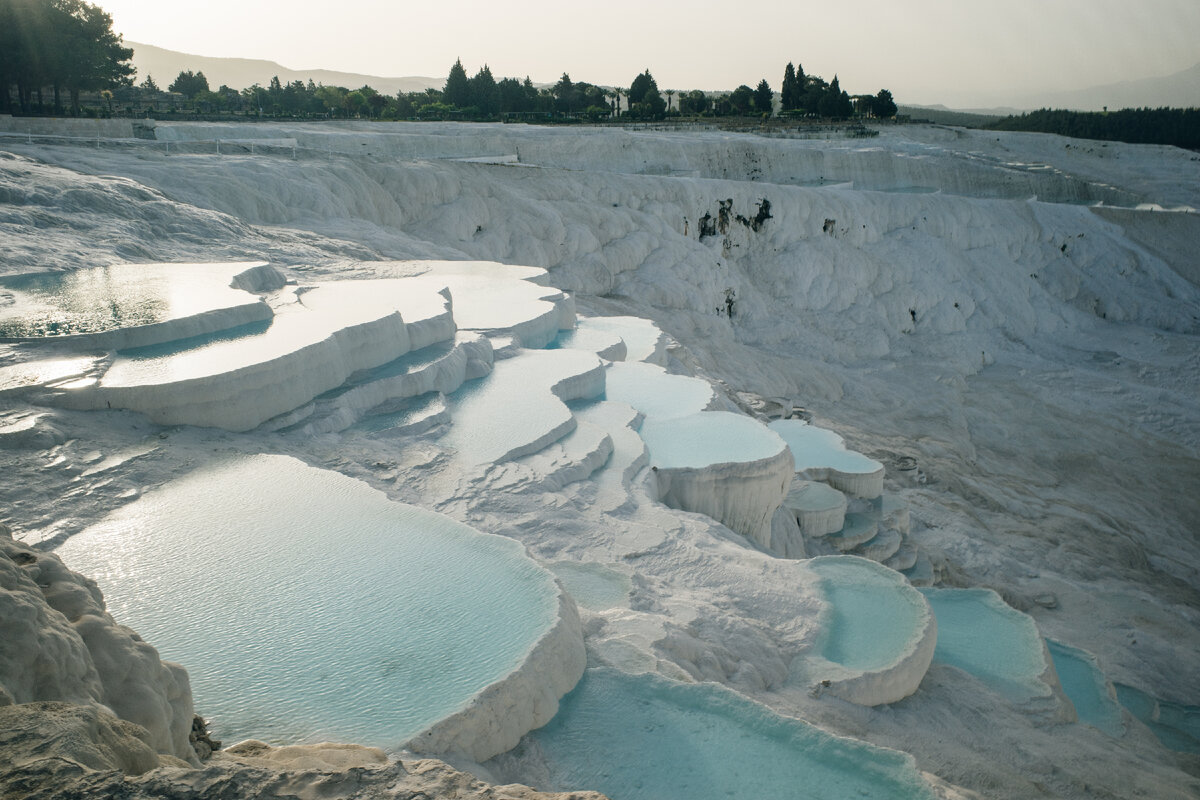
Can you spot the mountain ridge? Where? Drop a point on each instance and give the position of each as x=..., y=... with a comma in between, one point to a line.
x=240, y=73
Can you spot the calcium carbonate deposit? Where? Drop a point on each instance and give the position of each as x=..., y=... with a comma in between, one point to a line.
x=390, y=435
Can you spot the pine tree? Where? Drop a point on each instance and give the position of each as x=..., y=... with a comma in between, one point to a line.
x=484, y=93
x=762, y=97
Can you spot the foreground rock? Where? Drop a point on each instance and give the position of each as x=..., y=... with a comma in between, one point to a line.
x=58, y=643
x=57, y=750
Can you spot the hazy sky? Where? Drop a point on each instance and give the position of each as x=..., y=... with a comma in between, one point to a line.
x=959, y=52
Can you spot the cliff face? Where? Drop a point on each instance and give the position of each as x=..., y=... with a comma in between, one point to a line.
x=57, y=643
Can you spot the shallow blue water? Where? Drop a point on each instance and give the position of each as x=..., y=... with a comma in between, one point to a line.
x=1087, y=688
x=708, y=437
x=176, y=346
x=654, y=392
x=647, y=738
x=119, y=296
x=875, y=614
x=593, y=586
x=308, y=607
x=818, y=448
x=979, y=633
x=514, y=406
x=1176, y=726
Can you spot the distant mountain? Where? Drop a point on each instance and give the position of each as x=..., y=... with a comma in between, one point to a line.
x=238, y=73
x=1180, y=90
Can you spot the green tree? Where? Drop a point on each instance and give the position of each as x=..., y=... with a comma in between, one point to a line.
x=834, y=102
x=149, y=85
x=694, y=102
x=645, y=101
x=458, y=87
x=95, y=58
x=884, y=106
x=190, y=84
x=741, y=99
x=512, y=96
x=63, y=44
x=404, y=105
x=354, y=103
x=485, y=95
x=789, y=90
x=762, y=97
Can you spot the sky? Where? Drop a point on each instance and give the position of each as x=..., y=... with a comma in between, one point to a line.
x=957, y=52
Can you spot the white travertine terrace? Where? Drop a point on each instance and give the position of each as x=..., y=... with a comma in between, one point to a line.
x=880, y=633
x=819, y=509
x=725, y=465
x=822, y=455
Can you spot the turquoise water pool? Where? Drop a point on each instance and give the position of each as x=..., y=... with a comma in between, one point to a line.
x=874, y=614
x=594, y=586
x=308, y=607
x=648, y=738
x=981, y=634
x=1177, y=726
x=707, y=438
x=507, y=413
x=1087, y=688
x=817, y=448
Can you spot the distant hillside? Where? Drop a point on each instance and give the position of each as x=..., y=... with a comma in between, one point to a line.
x=1174, y=126
x=238, y=73
x=1180, y=90
x=949, y=116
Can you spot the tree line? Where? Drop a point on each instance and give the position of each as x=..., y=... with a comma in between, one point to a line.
x=66, y=46
x=1174, y=126
x=483, y=97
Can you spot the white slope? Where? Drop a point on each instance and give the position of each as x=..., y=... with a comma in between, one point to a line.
x=933, y=294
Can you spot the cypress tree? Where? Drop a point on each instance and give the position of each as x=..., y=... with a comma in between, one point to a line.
x=787, y=91
x=458, y=87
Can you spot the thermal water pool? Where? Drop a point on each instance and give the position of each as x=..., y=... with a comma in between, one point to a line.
x=105, y=299
x=308, y=607
x=1087, y=688
x=823, y=454
x=709, y=437
x=874, y=614
x=654, y=392
x=981, y=634
x=643, y=737
x=520, y=407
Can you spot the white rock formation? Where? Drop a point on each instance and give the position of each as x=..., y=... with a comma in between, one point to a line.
x=311, y=347
x=58, y=643
x=819, y=509
x=57, y=751
x=741, y=494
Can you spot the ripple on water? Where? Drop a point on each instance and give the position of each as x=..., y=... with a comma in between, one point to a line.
x=307, y=606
